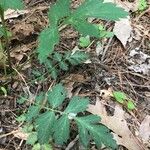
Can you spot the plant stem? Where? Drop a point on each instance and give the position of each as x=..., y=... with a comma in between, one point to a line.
x=6, y=37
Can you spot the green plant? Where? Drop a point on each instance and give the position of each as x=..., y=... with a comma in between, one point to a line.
x=122, y=98
x=4, y=5
x=48, y=119
x=142, y=5
x=49, y=122
x=60, y=15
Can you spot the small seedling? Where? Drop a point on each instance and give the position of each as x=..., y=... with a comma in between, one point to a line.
x=122, y=98
x=142, y=5
x=84, y=41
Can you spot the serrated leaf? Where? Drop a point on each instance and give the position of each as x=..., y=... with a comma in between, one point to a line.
x=77, y=58
x=77, y=104
x=57, y=56
x=48, y=38
x=32, y=138
x=83, y=132
x=51, y=68
x=84, y=41
x=57, y=95
x=130, y=105
x=33, y=112
x=119, y=96
x=12, y=4
x=40, y=98
x=99, y=133
x=63, y=66
x=59, y=10
x=45, y=123
x=61, y=130
x=84, y=27
x=98, y=9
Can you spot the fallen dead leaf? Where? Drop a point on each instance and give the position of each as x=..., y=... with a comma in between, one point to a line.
x=144, y=130
x=122, y=30
x=10, y=13
x=117, y=124
x=20, y=134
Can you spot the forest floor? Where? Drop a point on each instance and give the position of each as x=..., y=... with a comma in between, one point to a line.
x=113, y=66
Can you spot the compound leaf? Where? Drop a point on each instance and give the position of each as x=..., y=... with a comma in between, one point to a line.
x=77, y=57
x=59, y=10
x=48, y=38
x=12, y=4
x=99, y=133
x=61, y=130
x=77, y=104
x=33, y=112
x=98, y=9
x=57, y=95
x=45, y=124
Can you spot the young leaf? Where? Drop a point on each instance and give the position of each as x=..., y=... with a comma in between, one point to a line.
x=84, y=41
x=12, y=4
x=99, y=133
x=58, y=11
x=57, y=95
x=77, y=58
x=130, y=105
x=61, y=130
x=98, y=9
x=48, y=38
x=33, y=112
x=77, y=104
x=45, y=123
x=84, y=27
x=119, y=96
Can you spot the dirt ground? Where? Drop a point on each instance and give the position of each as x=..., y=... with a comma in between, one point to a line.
x=107, y=71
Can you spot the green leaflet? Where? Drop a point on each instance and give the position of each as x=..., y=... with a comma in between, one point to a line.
x=61, y=130
x=33, y=112
x=100, y=134
x=58, y=11
x=119, y=96
x=77, y=57
x=12, y=4
x=48, y=38
x=45, y=123
x=77, y=104
x=84, y=27
x=98, y=9
x=57, y=95
x=84, y=41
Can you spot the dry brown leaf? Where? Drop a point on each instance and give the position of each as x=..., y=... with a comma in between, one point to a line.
x=144, y=129
x=10, y=13
x=117, y=124
x=20, y=134
x=122, y=30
